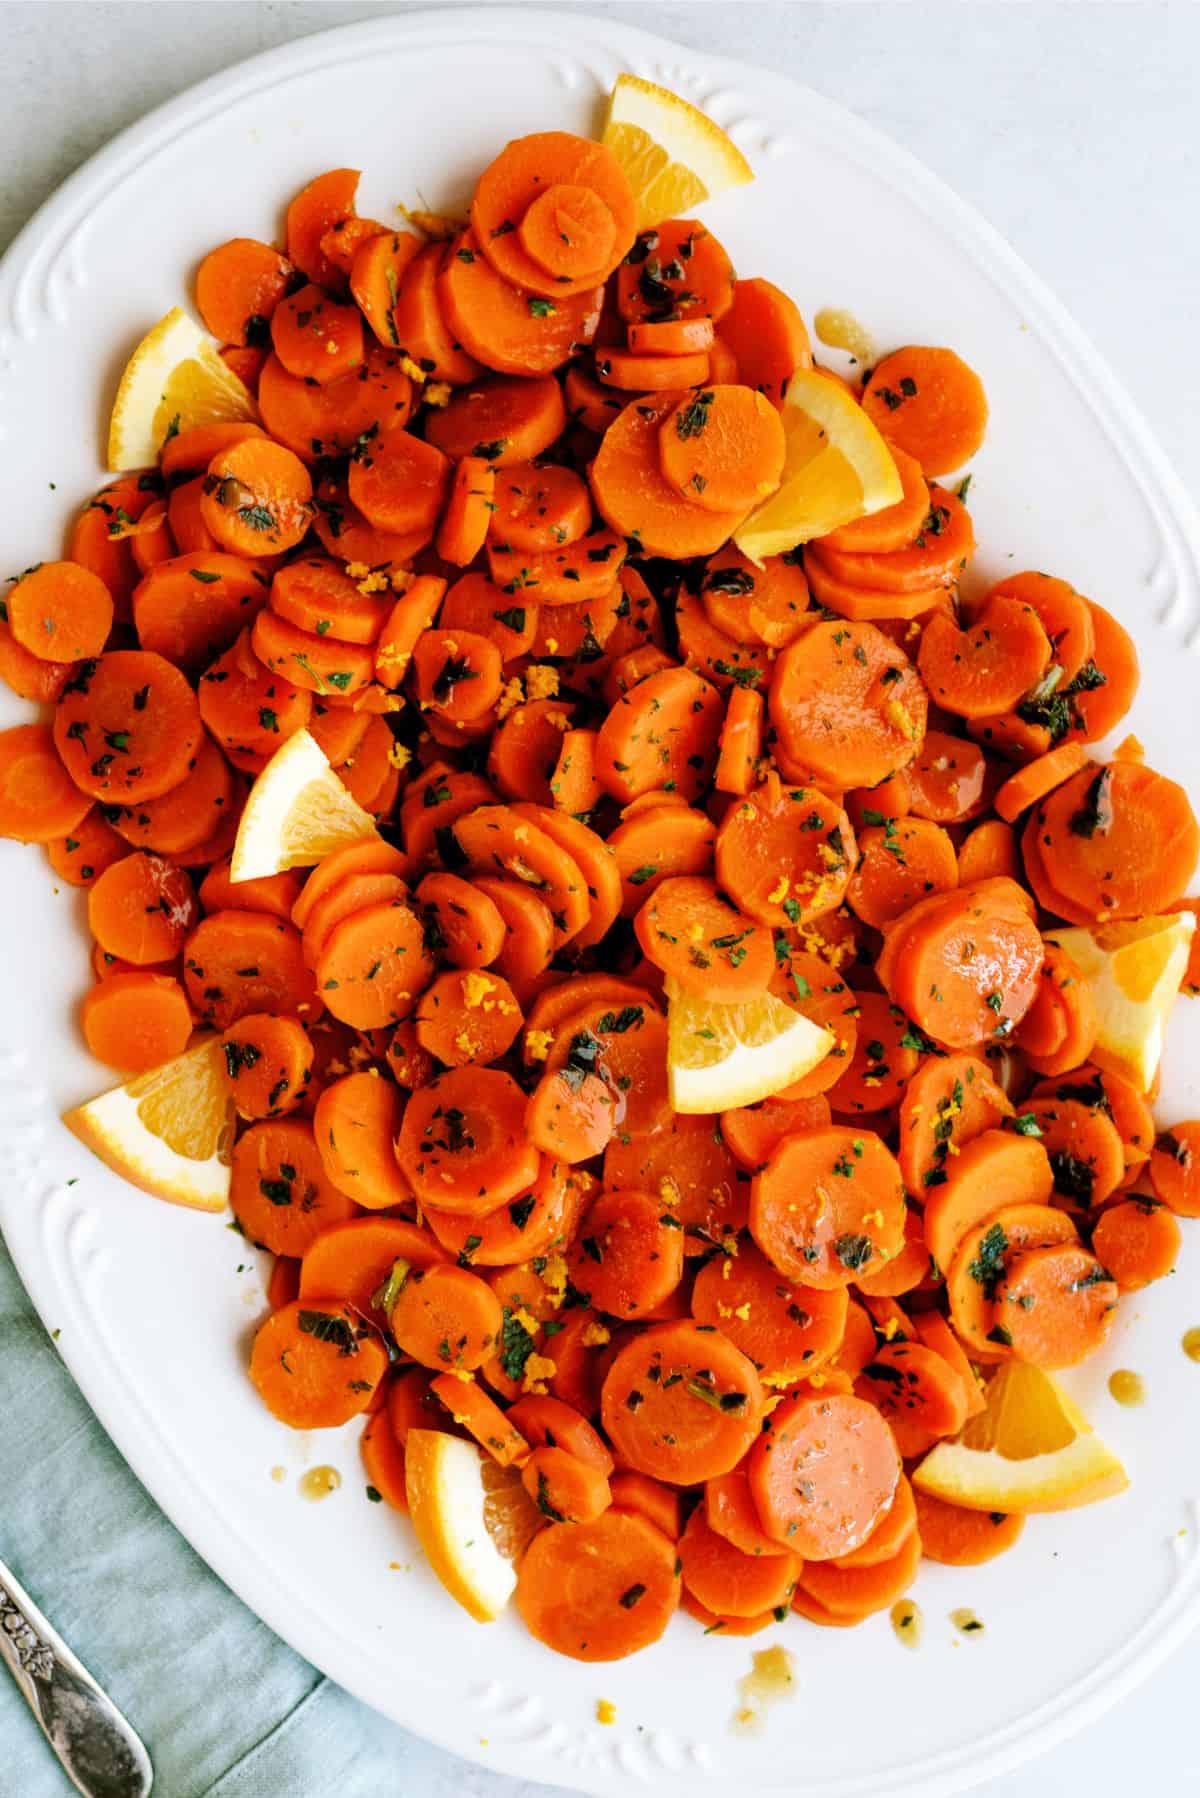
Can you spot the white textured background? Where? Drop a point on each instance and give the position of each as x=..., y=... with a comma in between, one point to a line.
x=1074, y=127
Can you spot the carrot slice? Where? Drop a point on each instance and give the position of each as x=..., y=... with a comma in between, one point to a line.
x=823, y=1474
x=652, y=847
x=847, y=1595
x=1175, y=1168
x=471, y=1407
x=958, y=1537
x=1056, y=1305
x=994, y=1168
x=60, y=612
x=1099, y=706
x=507, y=329
x=402, y=486
x=647, y=1498
x=788, y=1329
x=355, y=1122
x=29, y=676
x=316, y=1368
x=765, y=332
x=897, y=526
x=269, y=1062
x=899, y=863
x=964, y=965
x=635, y=498
x=947, y=779
x=627, y=1257
x=473, y=603
x=280, y=1194
x=917, y=1392
x=496, y=839
x=650, y=374
x=599, y=1591
x=930, y=403
x=446, y=1317
x=974, y=1276
x=340, y=418
x=189, y=814
x=671, y=336
x=127, y=727
x=950, y=1100
x=86, y=850
x=540, y=506
x=785, y=854
x=529, y=176
x=884, y=1058
x=688, y=1429
x=675, y=270
x=689, y=930
x=534, y=1224
x=462, y=1144
x=136, y=1021
x=39, y=799
x=322, y=203
x=894, y=1530
x=316, y=337
x=238, y=286
x=754, y=1132
x=467, y=1017
x=989, y=850
x=238, y=962
x=847, y=703
x=1122, y=839
x=469, y=509
x=828, y=1205
x=767, y=604
x=257, y=497
x=666, y=729
x=317, y=595
x=141, y=909
x=986, y=668
x=725, y=1579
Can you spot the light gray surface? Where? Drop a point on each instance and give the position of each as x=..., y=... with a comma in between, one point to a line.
x=1075, y=130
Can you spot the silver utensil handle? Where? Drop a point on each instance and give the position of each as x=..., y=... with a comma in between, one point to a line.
x=101, y=1754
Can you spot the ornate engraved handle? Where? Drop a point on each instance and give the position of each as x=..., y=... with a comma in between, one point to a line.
x=99, y=1751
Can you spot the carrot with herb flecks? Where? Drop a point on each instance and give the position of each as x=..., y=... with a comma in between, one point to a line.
x=269, y=1062
x=316, y=1365
x=931, y=404
x=60, y=612
x=828, y=1205
x=469, y=511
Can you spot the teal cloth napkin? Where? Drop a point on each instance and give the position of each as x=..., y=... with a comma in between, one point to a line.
x=225, y=1709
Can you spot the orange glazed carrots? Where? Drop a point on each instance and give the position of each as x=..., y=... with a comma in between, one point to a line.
x=680, y=1097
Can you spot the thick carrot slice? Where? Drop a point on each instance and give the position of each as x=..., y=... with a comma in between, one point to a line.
x=1122, y=840
x=475, y=604
x=542, y=175
x=993, y=1169
x=470, y=926
x=719, y=657
x=529, y=930
x=60, y=612
x=539, y=1221
x=238, y=962
x=505, y=329
x=341, y=418
x=847, y=1595
x=675, y=270
x=689, y=930
x=238, y=286
x=376, y=270
x=322, y=203
x=136, y=1021
x=947, y=779
x=635, y=498
x=127, y=727
x=647, y=1498
x=666, y=729
x=893, y=1531
x=446, y=1317
x=637, y=373
x=989, y=850
x=588, y=402
x=897, y=526
x=974, y=1276
x=933, y=1330
x=628, y=1254
x=496, y=839
x=654, y=846
x=458, y=674
x=823, y=1474
x=936, y=556
x=1066, y=617
x=280, y=1194
x=565, y=1489
x=965, y=965
x=1175, y=1168
x=370, y=856
x=257, y=498
x=384, y=1461
x=960, y=1538
x=316, y=1368
x=540, y=506
x=986, y=668
x=462, y=1144
x=469, y=510
x=185, y=519
x=688, y=1429
x=1056, y=1305
x=828, y=1206
x=785, y=854
x=871, y=605
x=269, y=1061
x=671, y=336
x=467, y=1017
x=356, y=1121
x=189, y=814
x=1084, y=1146
x=374, y=966
x=317, y=595
x=726, y=1579
x=190, y=608
x=930, y=403
x=754, y=1132
x=917, y=1392
x=547, y=1422
x=1058, y=1032
x=86, y=850
x=599, y=1591
x=883, y=1060
x=422, y=335
x=768, y=604
x=566, y=579
x=1099, y=706
x=948, y=1101
x=470, y=1406
x=356, y=1260
x=847, y=703
x=526, y=746
x=39, y=799
x=766, y=334
x=692, y=1170
x=141, y=909
x=900, y=863
x=1038, y=778
x=29, y=676
x=730, y=1512
x=402, y=485
x=786, y=1328
x=316, y=337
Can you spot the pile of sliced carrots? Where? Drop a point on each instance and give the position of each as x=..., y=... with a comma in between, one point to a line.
x=480, y=548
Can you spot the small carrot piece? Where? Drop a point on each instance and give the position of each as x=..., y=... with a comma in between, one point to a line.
x=918, y=1393
x=325, y=201
x=640, y=373
x=726, y=1579
x=376, y=270
x=458, y=674
x=469, y=512
x=957, y=1537
x=375, y=966
x=482, y=1418
x=383, y=1462
x=467, y=1017
x=989, y=850
x=1137, y=1240
x=690, y=272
